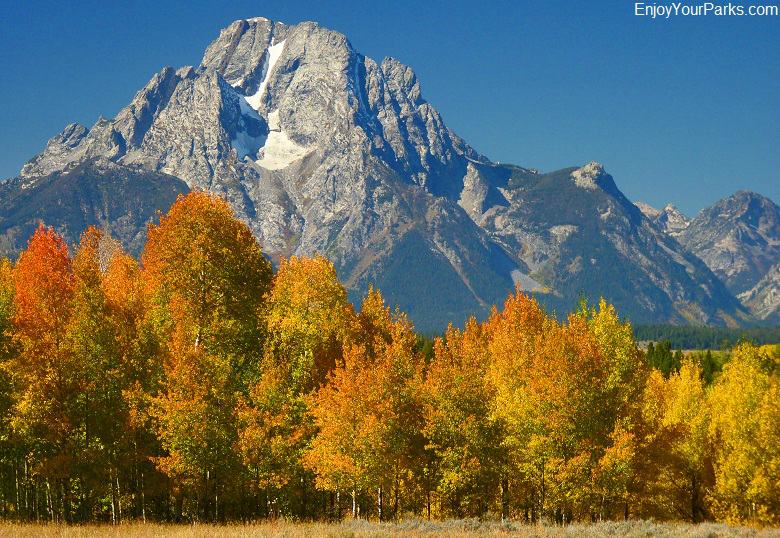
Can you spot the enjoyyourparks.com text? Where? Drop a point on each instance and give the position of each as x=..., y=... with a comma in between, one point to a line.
x=679, y=9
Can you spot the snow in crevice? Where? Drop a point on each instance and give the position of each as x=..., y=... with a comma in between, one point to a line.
x=246, y=108
x=273, y=151
x=247, y=145
x=358, y=87
x=274, y=51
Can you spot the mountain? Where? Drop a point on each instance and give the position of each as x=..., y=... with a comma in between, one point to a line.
x=94, y=192
x=321, y=149
x=739, y=240
x=668, y=219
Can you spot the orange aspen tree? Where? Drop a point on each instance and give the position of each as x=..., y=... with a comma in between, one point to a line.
x=138, y=353
x=369, y=414
x=103, y=332
x=560, y=390
x=47, y=412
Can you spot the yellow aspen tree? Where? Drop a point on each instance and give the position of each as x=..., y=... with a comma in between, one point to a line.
x=467, y=440
x=308, y=319
x=746, y=436
x=678, y=414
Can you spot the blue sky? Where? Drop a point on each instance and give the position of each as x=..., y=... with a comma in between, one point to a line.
x=683, y=110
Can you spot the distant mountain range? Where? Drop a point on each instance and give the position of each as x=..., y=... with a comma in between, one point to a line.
x=321, y=149
x=739, y=240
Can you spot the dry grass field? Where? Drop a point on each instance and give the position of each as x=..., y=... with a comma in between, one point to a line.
x=411, y=529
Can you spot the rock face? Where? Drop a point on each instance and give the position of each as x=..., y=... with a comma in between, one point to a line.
x=320, y=149
x=763, y=299
x=739, y=239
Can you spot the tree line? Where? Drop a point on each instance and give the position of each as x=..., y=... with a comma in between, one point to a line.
x=715, y=338
x=200, y=386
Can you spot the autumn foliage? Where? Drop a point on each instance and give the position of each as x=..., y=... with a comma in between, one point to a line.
x=199, y=385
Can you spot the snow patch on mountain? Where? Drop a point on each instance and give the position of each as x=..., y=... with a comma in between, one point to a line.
x=273, y=121
x=274, y=51
x=278, y=151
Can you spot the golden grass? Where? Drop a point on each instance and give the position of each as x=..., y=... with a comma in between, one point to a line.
x=411, y=529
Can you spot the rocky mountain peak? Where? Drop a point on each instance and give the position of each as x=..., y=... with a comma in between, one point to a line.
x=59, y=152
x=745, y=210
x=648, y=210
x=669, y=219
x=738, y=237
x=404, y=77
x=589, y=176
x=593, y=177
x=241, y=52
x=747, y=207
x=673, y=221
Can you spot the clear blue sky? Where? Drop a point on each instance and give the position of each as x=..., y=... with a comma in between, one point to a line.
x=683, y=110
